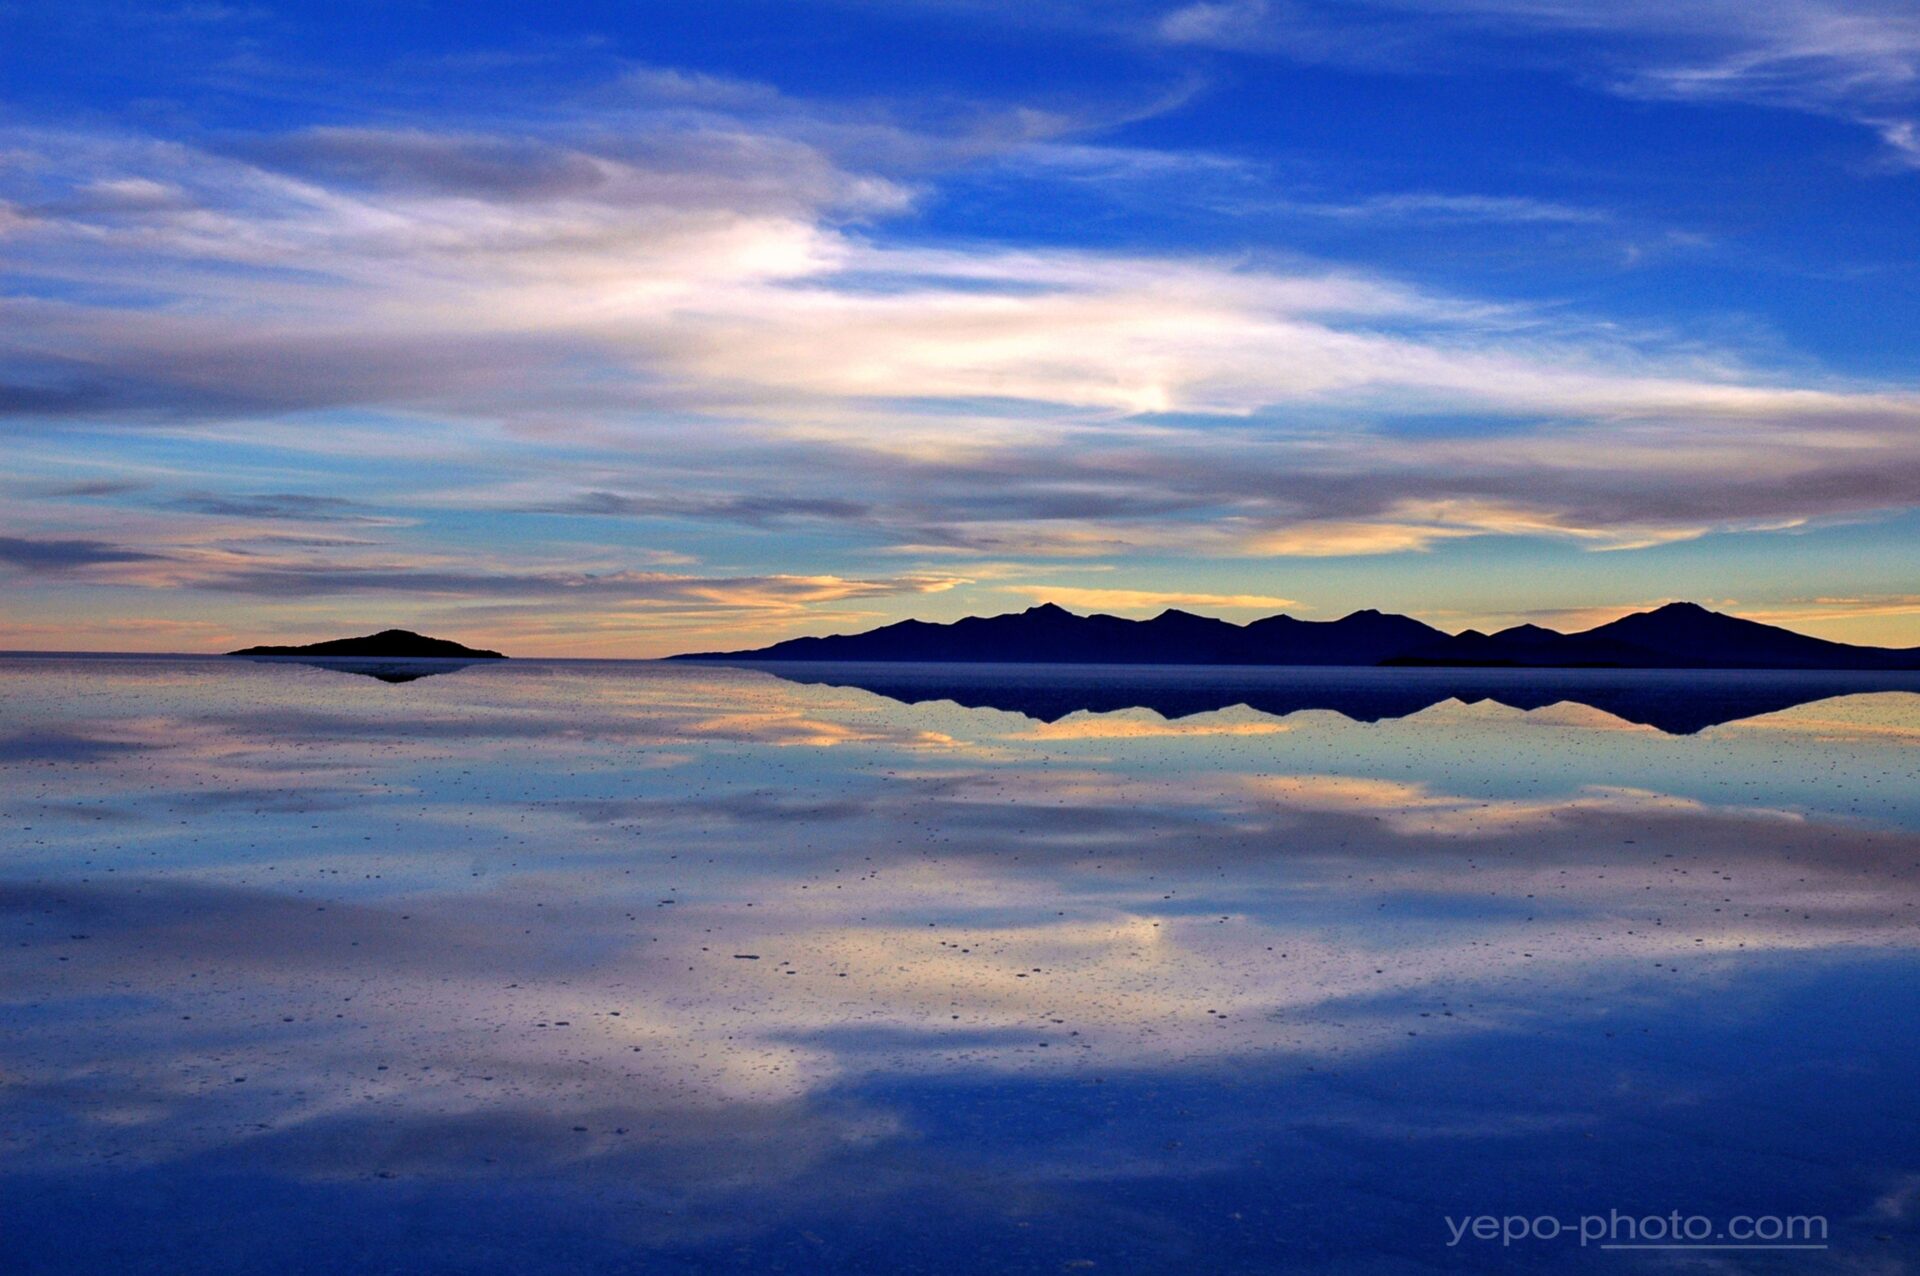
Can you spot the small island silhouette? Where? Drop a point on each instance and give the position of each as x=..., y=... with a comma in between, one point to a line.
x=1676, y=636
x=388, y=644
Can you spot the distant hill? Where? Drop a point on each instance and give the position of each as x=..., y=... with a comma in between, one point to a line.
x=1677, y=636
x=388, y=644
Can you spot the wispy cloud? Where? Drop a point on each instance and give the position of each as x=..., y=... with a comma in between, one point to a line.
x=1437, y=206
x=294, y=506
x=1125, y=600
x=753, y=510
x=1854, y=59
x=1216, y=22
x=292, y=578
x=52, y=555
x=95, y=487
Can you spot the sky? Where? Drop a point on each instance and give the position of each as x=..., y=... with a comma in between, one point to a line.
x=623, y=329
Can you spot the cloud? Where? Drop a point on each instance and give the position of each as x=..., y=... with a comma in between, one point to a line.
x=1854, y=59
x=1333, y=538
x=1838, y=608
x=476, y=166
x=96, y=487
x=1811, y=53
x=260, y=576
x=295, y=506
x=652, y=297
x=47, y=555
x=1144, y=599
x=1228, y=23
x=751, y=510
x=694, y=165
x=1851, y=59
x=722, y=592
x=1436, y=206
x=1902, y=138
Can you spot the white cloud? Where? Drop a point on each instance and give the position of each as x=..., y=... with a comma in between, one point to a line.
x=1228, y=23
x=1902, y=138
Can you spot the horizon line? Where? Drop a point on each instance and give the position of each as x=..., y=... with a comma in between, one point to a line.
x=1040, y=606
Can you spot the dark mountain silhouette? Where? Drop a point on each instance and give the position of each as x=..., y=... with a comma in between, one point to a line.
x=1526, y=646
x=1678, y=702
x=388, y=644
x=1362, y=638
x=1052, y=635
x=1677, y=636
x=1688, y=635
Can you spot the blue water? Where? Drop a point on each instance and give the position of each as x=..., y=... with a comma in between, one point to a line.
x=603, y=967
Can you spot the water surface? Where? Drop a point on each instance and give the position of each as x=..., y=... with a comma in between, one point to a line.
x=561, y=967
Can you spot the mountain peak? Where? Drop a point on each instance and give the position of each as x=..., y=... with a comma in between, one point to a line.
x=1530, y=632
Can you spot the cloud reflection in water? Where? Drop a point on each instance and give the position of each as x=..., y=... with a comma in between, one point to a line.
x=708, y=962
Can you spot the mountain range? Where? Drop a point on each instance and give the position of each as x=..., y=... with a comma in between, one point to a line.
x=1676, y=636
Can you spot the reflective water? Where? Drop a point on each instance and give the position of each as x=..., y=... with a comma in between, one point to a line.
x=573, y=967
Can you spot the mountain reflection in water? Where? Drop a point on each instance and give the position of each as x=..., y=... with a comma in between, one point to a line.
x=383, y=669
x=1679, y=702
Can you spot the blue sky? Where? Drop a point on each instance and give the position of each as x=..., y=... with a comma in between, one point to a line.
x=616, y=329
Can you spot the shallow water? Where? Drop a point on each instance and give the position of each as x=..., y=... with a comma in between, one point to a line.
x=561, y=967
